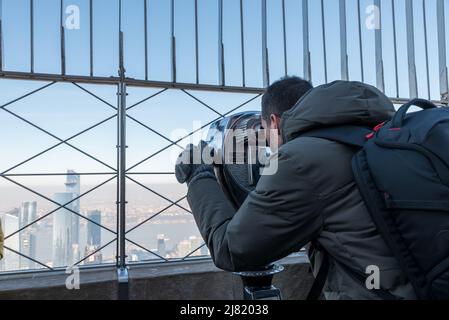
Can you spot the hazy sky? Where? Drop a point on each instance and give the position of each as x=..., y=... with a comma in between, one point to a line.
x=65, y=110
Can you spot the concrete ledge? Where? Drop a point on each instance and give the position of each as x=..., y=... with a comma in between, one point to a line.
x=193, y=280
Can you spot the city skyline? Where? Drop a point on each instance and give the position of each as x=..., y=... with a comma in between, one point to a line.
x=68, y=246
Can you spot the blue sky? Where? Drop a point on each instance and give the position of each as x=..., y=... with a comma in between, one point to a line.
x=64, y=110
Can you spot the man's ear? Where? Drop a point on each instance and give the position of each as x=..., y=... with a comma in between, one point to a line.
x=275, y=122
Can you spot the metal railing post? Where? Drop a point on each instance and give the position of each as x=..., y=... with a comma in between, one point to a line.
x=123, y=278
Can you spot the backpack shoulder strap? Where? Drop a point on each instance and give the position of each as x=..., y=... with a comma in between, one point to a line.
x=350, y=135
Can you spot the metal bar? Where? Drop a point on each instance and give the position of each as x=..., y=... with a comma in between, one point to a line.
x=145, y=12
x=1, y=35
x=380, y=79
x=62, y=35
x=265, y=62
x=29, y=258
x=413, y=82
x=306, y=40
x=147, y=250
x=96, y=251
x=242, y=44
x=154, y=131
x=158, y=194
x=173, y=40
x=359, y=23
x=32, y=36
x=155, y=215
x=323, y=27
x=94, y=95
x=26, y=95
x=117, y=196
x=146, y=99
x=193, y=132
x=284, y=28
x=130, y=82
x=56, y=137
x=442, y=50
x=151, y=173
x=426, y=45
x=59, y=206
x=203, y=103
x=58, y=144
x=122, y=94
x=343, y=42
x=221, y=65
x=54, y=174
x=197, y=53
x=192, y=252
x=395, y=45
x=155, y=84
x=91, y=37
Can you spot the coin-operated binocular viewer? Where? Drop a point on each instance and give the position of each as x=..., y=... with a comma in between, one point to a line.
x=241, y=153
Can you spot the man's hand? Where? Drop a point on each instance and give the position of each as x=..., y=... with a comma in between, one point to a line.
x=195, y=163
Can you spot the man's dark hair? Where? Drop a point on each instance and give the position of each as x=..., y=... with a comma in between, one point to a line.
x=283, y=95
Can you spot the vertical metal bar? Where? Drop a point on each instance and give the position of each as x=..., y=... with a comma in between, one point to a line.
x=173, y=40
x=1, y=35
x=145, y=12
x=32, y=36
x=323, y=27
x=442, y=50
x=197, y=54
x=91, y=37
x=122, y=146
x=284, y=28
x=359, y=23
x=426, y=45
x=395, y=45
x=221, y=65
x=242, y=43
x=306, y=40
x=343, y=42
x=117, y=252
x=413, y=83
x=62, y=34
x=378, y=44
x=122, y=271
x=265, y=62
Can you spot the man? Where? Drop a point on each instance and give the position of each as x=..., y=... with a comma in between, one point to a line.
x=311, y=198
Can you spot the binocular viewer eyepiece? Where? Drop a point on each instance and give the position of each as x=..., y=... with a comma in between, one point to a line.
x=240, y=145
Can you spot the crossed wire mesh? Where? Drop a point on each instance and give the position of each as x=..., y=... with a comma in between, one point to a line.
x=8, y=176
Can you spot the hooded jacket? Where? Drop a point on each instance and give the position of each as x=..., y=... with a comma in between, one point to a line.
x=311, y=197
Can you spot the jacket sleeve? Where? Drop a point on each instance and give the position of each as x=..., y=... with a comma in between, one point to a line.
x=280, y=217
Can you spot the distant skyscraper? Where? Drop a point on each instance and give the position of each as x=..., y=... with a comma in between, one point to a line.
x=27, y=237
x=195, y=243
x=93, y=238
x=73, y=186
x=63, y=231
x=184, y=248
x=10, y=224
x=161, y=245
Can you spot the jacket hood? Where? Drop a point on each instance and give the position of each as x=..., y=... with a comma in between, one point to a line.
x=336, y=104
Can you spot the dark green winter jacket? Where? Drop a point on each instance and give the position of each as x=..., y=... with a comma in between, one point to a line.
x=312, y=196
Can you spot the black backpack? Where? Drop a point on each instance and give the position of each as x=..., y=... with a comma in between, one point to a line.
x=402, y=172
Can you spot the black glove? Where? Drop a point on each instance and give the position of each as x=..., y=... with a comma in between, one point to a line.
x=191, y=166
